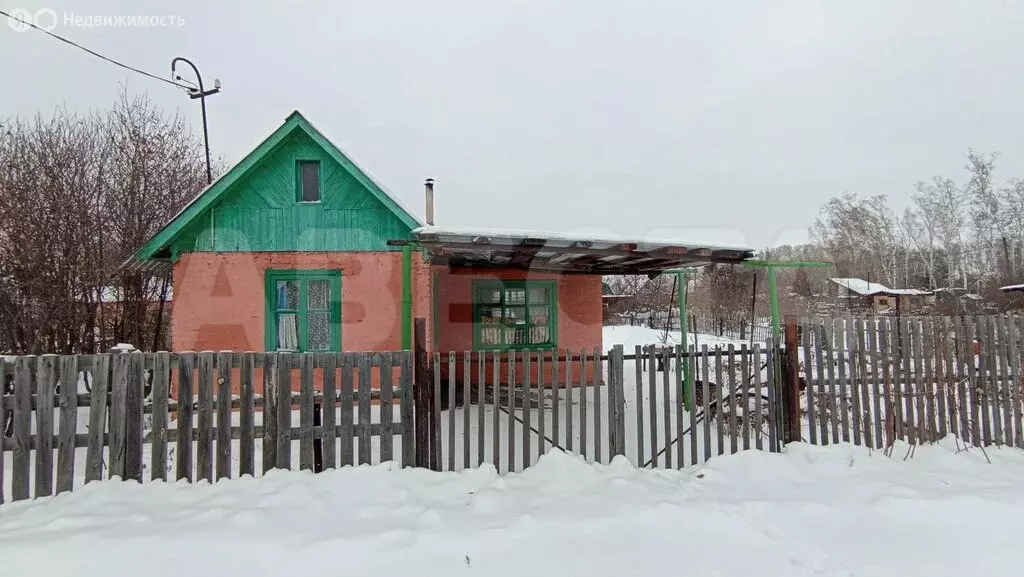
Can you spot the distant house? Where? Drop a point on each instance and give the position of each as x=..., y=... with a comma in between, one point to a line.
x=877, y=298
x=297, y=248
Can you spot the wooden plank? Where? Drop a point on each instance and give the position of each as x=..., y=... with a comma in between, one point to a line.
x=68, y=425
x=118, y=423
x=569, y=437
x=902, y=381
x=406, y=410
x=556, y=398
x=46, y=382
x=1004, y=431
x=365, y=383
x=941, y=393
x=773, y=383
x=854, y=350
x=842, y=402
x=133, y=417
x=745, y=393
x=680, y=405
x=666, y=404
x=638, y=365
x=1017, y=383
x=435, y=406
x=719, y=411
x=306, y=456
x=876, y=354
x=467, y=371
x=831, y=405
x=346, y=439
x=691, y=402
x=246, y=415
x=992, y=405
x=733, y=431
x=100, y=373
x=583, y=403
x=705, y=400
x=983, y=398
x=758, y=387
x=161, y=394
x=328, y=363
x=270, y=424
x=598, y=382
x=21, y=462
x=223, y=457
x=387, y=401
x=285, y=363
x=946, y=343
x=965, y=373
x=496, y=410
x=512, y=359
x=481, y=406
x=865, y=386
x=652, y=392
x=821, y=409
x=450, y=463
x=809, y=380
x=927, y=356
x=204, y=414
x=526, y=390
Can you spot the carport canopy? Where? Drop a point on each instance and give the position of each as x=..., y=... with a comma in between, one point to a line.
x=566, y=253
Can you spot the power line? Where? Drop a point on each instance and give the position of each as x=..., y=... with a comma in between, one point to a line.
x=96, y=54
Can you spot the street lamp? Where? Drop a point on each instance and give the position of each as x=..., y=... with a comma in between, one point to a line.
x=200, y=93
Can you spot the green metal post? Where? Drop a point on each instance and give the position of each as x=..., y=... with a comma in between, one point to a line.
x=683, y=278
x=773, y=298
x=407, y=297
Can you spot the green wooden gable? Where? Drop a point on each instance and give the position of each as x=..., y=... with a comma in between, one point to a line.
x=255, y=206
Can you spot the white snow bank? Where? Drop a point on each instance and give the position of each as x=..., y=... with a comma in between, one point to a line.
x=630, y=336
x=838, y=510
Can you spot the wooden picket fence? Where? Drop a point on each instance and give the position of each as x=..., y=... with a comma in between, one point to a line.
x=133, y=406
x=872, y=381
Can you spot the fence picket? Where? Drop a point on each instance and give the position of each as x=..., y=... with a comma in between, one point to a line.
x=406, y=410
x=1005, y=430
x=118, y=423
x=965, y=386
x=854, y=349
x=680, y=406
x=745, y=394
x=1017, y=383
x=983, y=366
x=666, y=407
x=133, y=417
x=733, y=440
x=451, y=412
x=948, y=343
x=305, y=411
x=387, y=401
x=705, y=400
x=68, y=425
x=719, y=411
x=481, y=406
x=652, y=392
x=204, y=445
x=329, y=409
x=758, y=397
x=928, y=367
x=820, y=407
x=865, y=385
x=556, y=399
x=285, y=364
x=527, y=369
x=435, y=433
x=809, y=379
x=907, y=421
x=584, y=377
x=466, y=374
x=773, y=366
x=598, y=375
x=223, y=458
x=22, y=458
x=877, y=380
x=46, y=381
x=270, y=425
x=842, y=348
x=691, y=401
x=496, y=414
x=161, y=395
x=638, y=366
x=346, y=438
x=919, y=382
x=938, y=340
x=365, y=384
x=830, y=408
x=992, y=404
x=97, y=418
x=512, y=410
x=246, y=416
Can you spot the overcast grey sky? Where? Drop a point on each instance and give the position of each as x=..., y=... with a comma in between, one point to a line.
x=730, y=121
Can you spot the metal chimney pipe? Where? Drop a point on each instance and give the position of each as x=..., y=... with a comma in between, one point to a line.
x=430, y=201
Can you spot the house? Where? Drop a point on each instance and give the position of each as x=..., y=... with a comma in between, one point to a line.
x=877, y=298
x=297, y=248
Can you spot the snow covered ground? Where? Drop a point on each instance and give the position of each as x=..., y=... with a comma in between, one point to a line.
x=837, y=511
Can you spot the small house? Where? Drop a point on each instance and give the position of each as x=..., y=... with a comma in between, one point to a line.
x=877, y=298
x=297, y=248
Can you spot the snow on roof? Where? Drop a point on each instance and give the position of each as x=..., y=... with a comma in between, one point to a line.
x=567, y=238
x=1012, y=288
x=867, y=288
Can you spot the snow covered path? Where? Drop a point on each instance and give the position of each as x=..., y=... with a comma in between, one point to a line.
x=836, y=510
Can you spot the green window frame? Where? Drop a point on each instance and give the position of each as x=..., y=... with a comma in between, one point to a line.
x=515, y=314
x=296, y=310
x=300, y=166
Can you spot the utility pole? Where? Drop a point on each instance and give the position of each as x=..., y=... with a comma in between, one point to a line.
x=201, y=93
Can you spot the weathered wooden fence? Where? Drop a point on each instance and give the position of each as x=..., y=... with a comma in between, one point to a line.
x=658, y=406
x=873, y=381
x=208, y=413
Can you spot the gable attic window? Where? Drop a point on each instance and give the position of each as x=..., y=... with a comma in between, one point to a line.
x=307, y=180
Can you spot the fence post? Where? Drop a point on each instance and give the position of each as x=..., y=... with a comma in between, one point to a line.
x=790, y=383
x=423, y=389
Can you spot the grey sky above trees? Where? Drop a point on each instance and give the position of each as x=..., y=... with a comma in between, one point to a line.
x=730, y=121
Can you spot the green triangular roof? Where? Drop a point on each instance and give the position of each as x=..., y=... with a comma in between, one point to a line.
x=157, y=246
